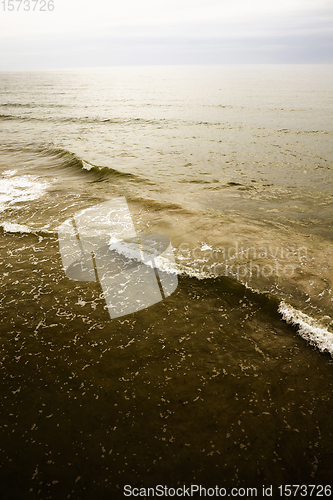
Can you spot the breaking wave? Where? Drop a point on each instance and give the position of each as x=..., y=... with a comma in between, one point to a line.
x=308, y=328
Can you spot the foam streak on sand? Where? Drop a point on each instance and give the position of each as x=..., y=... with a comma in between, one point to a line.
x=308, y=328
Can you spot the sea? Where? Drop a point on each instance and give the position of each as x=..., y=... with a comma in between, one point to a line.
x=223, y=387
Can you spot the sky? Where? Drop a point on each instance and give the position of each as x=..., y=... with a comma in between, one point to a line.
x=86, y=33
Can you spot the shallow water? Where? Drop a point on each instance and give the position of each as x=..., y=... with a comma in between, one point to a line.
x=221, y=383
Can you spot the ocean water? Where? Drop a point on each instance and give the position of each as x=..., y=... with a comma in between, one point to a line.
x=228, y=380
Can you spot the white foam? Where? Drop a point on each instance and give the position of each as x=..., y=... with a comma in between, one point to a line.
x=86, y=165
x=129, y=250
x=9, y=173
x=308, y=328
x=8, y=227
x=20, y=189
x=205, y=247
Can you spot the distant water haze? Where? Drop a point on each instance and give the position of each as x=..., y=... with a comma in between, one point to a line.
x=49, y=34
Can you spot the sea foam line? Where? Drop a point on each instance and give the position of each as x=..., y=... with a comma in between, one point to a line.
x=9, y=227
x=308, y=328
x=18, y=189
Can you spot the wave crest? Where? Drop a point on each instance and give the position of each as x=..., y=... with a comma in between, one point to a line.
x=308, y=328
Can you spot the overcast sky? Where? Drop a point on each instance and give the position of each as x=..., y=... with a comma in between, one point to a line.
x=81, y=33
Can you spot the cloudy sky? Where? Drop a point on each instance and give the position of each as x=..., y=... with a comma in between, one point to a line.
x=83, y=33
